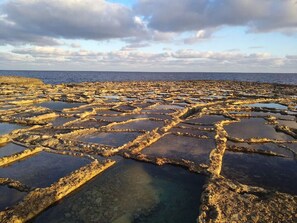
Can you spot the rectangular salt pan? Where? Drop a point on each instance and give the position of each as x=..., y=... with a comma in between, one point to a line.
x=42, y=169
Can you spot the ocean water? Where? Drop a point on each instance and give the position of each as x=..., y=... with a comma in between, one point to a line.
x=56, y=77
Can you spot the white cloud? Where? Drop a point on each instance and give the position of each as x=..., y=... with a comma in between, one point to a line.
x=31, y=20
x=191, y=15
x=180, y=60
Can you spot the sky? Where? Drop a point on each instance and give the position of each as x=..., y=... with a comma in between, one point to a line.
x=149, y=35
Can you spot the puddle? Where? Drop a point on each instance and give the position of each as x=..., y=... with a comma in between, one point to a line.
x=110, y=138
x=181, y=147
x=193, y=131
x=160, y=111
x=125, y=108
x=42, y=169
x=267, y=105
x=291, y=124
x=10, y=149
x=147, y=125
x=6, y=128
x=255, y=128
x=192, y=126
x=275, y=114
x=264, y=146
x=108, y=112
x=134, y=116
x=61, y=121
x=132, y=191
x=114, y=97
x=59, y=105
x=9, y=196
x=88, y=124
x=174, y=107
x=264, y=171
x=207, y=119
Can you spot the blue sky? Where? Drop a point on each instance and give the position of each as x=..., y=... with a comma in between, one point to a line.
x=149, y=35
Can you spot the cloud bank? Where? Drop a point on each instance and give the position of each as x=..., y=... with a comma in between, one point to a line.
x=44, y=22
x=186, y=15
x=168, y=60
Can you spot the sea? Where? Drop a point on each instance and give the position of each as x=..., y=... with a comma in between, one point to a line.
x=57, y=77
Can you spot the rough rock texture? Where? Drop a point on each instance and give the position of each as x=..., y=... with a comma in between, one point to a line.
x=91, y=119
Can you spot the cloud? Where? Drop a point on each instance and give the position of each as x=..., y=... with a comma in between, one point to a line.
x=168, y=60
x=46, y=22
x=43, y=21
x=193, y=15
x=200, y=35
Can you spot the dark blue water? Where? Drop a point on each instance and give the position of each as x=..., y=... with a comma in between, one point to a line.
x=55, y=77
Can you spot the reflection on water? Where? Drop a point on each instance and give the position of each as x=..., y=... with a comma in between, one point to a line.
x=9, y=196
x=255, y=128
x=182, y=147
x=132, y=191
x=269, y=147
x=147, y=125
x=167, y=107
x=88, y=124
x=193, y=131
x=259, y=170
x=61, y=121
x=291, y=124
x=207, y=119
x=10, y=149
x=42, y=169
x=58, y=105
x=132, y=116
x=158, y=111
x=6, y=128
x=268, y=105
x=111, y=138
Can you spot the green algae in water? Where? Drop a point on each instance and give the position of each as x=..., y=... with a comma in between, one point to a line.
x=10, y=149
x=9, y=196
x=132, y=191
x=42, y=169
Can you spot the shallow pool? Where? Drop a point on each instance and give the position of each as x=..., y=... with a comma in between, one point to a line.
x=132, y=191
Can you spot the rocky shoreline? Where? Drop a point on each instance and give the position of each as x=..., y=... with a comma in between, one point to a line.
x=129, y=119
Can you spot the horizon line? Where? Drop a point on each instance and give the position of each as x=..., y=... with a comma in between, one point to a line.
x=177, y=72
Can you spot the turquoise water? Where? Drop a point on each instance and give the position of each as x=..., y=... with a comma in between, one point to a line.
x=132, y=191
